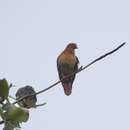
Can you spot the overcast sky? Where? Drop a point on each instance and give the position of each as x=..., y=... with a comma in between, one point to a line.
x=34, y=32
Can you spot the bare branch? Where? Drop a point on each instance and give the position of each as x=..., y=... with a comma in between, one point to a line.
x=39, y=105
x=11, y=85
x=1, y=122
x=79, y=70
x=12, y=97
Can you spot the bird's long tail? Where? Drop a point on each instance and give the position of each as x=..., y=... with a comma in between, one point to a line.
x=67, y=88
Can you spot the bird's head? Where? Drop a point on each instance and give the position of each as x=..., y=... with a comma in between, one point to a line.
x=72, y=46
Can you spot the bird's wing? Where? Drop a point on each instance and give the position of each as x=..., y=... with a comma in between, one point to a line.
x=75, y=69
x=59, y=69
x=76, y=64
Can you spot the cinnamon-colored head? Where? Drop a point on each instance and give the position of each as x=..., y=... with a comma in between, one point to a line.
x=72, y=46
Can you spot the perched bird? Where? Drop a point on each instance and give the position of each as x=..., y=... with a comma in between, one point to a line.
x=67, y=63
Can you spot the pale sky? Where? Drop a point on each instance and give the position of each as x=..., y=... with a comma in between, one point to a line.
x=34, y=32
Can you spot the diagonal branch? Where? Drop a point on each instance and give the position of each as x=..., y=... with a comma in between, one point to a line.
x=79, y=70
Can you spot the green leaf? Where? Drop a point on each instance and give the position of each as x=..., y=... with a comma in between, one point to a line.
x=1, y=110
x=4, y=90
x=9, y=126
x=17, y=114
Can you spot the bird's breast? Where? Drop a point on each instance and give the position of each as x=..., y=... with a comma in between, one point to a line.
x=67, y=59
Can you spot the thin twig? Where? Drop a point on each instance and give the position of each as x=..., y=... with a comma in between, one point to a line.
x=39, y=105
x=79, y=70
x=12, y=97
x=11, y=85
x=1, y=122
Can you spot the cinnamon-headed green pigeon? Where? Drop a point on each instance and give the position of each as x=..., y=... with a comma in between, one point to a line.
x=67, y=63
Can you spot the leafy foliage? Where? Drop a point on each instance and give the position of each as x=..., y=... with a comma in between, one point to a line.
x=12, y=115
x=4, y=90
x=15, y=114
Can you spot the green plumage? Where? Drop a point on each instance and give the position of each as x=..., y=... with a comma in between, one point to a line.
x=67, y=68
